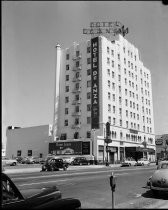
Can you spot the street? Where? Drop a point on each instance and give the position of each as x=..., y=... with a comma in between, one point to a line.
x=92, y=186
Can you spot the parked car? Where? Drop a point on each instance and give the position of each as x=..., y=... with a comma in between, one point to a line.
x=128, y=162
x=8, y=161
x=54, y=164
x=80, y=161
x=46, y=198
x=159, y=180
x=68, y=159
x=142, y=162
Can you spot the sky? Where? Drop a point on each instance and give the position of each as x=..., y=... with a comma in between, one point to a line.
x=32, y=29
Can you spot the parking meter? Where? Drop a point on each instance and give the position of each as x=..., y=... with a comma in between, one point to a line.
x=112, y=182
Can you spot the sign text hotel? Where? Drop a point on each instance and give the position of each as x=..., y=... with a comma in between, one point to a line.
x=95, y=83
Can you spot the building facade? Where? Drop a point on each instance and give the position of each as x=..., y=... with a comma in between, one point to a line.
x=162, y=146
x=101, y=81
x=29, y=141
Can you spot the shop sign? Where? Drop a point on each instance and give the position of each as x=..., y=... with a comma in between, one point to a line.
x=111, y=149
x=86, y=148
x=95, y=83
x=70, y=148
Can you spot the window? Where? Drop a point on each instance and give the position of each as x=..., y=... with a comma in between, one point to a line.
x=125, y=71
x=119, y=78
x=67, y=67
x=66, y=99
x=112, y=74
x=113, y=109
x=88, y=134
x=119, y=87
x=126, y=102
x=112, y=63
x=88, y=49
x=88, y=107
x=89, y=72
x=120, y=122
x=114, y=120
x=77, y=74
x=67, y=88
x=120, y=100
x=77, y=53
x=108, y=72
x=113, y=97
x=88, y=120
x=77, y=97
x=19, y=153
x=88, y=60
x=77, y=86
x=66, y=123
x=112, y=52
x=109, y=83
x=89, y=95
x=113, y=86
x=124, y=60
x=124, y=49
x=109, y=119
x=118, y=56
x=76, y=121
x=76, y=108
x=77, y=63
x=126, y=124
x=119, y=67
x=125, y=81
x=67, y=56
x=125, y=91
x=66, y=110
x=120, y=111
x=109, y=107
x=89, y=83
x=108, y=50
x=29, y=152
x=108, y=60
x=109, y=95
x=67, y=77
x=126, y=113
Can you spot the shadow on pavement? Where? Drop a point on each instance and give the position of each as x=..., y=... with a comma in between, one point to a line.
x=160, y=195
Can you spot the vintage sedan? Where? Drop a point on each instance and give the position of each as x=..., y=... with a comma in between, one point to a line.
x=128, y=162
x=142, y=162
x=46, y=198
x=8, y=161
x=80, y=161
x=159, y=180
x=54, y=164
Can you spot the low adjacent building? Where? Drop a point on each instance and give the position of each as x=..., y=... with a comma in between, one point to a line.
x=29, y=141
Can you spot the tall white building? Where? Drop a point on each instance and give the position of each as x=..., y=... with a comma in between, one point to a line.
x=105, y=81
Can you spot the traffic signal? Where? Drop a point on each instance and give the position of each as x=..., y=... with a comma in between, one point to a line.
x=108, y=132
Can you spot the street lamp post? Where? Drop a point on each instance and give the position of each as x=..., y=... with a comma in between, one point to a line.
x=107, y=140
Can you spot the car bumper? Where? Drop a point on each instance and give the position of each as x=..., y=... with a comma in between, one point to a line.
x=165, y=189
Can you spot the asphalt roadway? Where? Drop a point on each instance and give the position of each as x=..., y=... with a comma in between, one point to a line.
x=91, y=184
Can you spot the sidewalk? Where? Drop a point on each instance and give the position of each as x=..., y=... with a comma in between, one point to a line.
x=38, y=168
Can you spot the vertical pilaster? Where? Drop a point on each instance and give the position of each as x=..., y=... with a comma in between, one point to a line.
x=56, y=91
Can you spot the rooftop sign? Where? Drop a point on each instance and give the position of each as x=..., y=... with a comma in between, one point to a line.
x=113, y=28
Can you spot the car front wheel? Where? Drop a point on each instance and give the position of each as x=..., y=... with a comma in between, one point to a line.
x=155, y=192
x=13, y=164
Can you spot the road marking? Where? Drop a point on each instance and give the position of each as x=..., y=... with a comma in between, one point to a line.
x=63, y=180
x=77, y=173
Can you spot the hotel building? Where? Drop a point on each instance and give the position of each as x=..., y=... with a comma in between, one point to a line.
x=100, y=81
